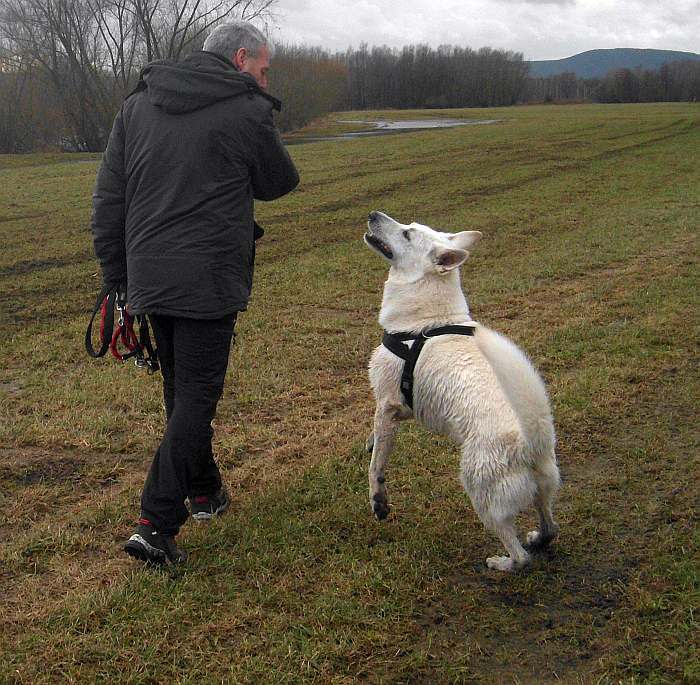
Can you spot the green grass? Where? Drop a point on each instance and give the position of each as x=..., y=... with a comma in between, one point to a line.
x=589, y=261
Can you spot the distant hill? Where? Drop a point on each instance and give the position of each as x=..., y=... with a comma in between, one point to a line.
x=597, y=63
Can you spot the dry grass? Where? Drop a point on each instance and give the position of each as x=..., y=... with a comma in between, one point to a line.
x=589, y=260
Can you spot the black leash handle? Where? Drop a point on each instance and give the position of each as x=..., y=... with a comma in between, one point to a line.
x=106, y=298
x=150, y=360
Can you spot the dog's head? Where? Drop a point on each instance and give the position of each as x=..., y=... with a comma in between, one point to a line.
x=414, y=250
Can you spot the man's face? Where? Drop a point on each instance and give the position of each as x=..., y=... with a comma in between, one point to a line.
x=257, y=67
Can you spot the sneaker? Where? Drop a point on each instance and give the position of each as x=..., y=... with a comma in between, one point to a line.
x=206, y=507
x=148, y=545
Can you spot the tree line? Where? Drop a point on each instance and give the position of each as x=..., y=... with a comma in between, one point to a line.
x=66, y=66
x=61, y=87
x=419, y=76
x=312, y=81
x=673, y=82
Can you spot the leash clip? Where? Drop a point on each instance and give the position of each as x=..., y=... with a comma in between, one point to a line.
x=121, y=308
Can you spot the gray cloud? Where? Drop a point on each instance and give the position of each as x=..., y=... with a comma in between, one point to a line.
x=537, y=2
x=540, y=29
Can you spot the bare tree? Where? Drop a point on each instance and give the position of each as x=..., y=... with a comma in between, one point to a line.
x=171, y=27
x=309, y=81
x=92, y=50
x=30, y=116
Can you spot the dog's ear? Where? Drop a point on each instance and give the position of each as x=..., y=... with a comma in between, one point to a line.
x=465, y=239
x=448, y=258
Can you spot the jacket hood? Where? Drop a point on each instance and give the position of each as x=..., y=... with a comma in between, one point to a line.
x=196, y=82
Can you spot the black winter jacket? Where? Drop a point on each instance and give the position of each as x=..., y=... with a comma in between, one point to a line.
x=190, y=149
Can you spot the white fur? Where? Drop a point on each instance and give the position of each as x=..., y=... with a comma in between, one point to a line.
x=481, y=391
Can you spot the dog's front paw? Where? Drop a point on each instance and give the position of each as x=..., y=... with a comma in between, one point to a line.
x=380, y=506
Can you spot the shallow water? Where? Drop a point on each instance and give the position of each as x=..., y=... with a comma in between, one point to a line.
x=387, y=127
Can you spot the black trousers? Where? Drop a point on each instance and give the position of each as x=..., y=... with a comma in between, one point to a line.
x=193, y=355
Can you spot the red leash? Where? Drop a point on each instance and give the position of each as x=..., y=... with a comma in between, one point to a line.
x=138, y=347
x=124, y=332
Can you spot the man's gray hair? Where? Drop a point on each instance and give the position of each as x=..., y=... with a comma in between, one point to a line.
x=227, y=39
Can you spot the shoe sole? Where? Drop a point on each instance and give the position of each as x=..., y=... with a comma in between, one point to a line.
x=202, y=516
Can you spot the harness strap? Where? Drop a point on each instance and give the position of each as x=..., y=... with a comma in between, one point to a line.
x=459, y=329
x=394, y=342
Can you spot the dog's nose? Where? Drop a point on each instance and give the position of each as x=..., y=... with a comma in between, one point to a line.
x=373, y=216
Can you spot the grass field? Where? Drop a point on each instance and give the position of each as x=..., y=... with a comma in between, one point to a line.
x=589, y=261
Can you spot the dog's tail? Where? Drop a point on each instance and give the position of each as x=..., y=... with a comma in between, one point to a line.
x=522, y=385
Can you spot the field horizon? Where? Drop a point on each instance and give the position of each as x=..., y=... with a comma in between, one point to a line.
x=588, y=262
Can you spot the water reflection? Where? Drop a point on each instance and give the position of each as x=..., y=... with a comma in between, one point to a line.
x=385, y=127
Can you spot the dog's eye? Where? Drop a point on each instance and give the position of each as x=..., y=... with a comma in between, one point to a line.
x=407, y=235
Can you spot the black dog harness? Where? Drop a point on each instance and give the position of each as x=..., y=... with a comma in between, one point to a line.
x=394, y=342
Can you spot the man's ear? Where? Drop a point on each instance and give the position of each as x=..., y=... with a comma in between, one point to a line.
x=240, y=58
x=465, y=239
x=448, y=258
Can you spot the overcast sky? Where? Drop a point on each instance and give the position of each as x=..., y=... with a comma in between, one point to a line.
x=541, y=29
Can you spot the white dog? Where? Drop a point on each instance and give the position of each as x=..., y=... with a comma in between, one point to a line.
x=479, y=389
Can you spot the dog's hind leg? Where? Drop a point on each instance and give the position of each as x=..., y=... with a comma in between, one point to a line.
x=386, y=417
x=507, y=534
x=497, y=501
x=546, y=475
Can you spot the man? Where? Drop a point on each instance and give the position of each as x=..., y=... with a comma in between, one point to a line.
x=190, y=150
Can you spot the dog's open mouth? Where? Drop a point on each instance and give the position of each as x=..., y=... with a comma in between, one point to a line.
x=379, y=245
